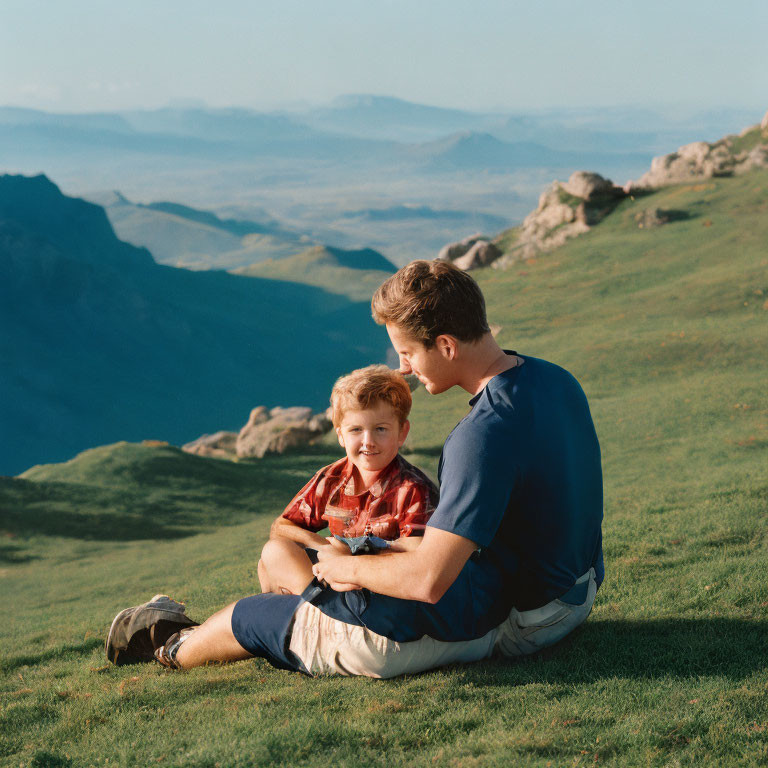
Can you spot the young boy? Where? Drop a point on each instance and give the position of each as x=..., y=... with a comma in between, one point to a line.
x=373, y=491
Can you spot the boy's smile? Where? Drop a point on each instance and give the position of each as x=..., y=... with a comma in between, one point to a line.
x=371, y=437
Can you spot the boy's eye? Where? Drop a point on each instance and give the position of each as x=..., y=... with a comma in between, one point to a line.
x=381, y=429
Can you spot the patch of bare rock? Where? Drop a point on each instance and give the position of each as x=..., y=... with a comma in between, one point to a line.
x=268, y=431
x=565, y=210
x=731, y=155
x=471, y=252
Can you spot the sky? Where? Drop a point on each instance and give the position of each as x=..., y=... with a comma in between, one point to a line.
x=96, y=55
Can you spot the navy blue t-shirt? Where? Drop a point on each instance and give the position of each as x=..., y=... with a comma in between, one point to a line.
x=520, y=476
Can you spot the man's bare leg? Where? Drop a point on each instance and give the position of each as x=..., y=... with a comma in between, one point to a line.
x=284, y=567
x=212, y=641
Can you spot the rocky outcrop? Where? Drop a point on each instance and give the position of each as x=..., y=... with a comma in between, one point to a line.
x=565, y=210
x=729, y=156
x=454, y=251
x=569, y=209
x=471, y=252
x=267, y=431
x=279, y=430
x=220, y=445
x=481, y=254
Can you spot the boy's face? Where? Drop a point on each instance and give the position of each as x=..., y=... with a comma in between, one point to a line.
x=430, y=366
x=372, y=437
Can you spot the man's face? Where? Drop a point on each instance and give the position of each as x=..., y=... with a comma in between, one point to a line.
x=430, y=366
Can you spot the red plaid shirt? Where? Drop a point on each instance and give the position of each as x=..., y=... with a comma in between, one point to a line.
x=399, y=502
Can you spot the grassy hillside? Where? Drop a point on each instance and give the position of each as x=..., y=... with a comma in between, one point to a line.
x=667, y=331
x=355, y=274
x=180, y=236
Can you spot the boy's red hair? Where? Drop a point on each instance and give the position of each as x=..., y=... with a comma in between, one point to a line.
x=366, y=388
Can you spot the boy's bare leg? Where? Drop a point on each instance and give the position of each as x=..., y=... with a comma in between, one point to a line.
x=212, y=641
x=285, y=567
x=264, y=583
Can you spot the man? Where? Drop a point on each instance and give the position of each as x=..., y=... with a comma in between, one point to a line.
x=511, y=559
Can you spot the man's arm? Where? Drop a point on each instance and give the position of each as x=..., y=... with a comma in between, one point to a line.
x=405, y=544
x=283, y=528
x=424, y=573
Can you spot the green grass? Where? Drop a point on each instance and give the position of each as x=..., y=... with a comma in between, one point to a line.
x=354, y=274
x=667, y=329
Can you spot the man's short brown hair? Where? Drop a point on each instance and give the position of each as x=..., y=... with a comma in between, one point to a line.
x=430, y=298
x=366, y=388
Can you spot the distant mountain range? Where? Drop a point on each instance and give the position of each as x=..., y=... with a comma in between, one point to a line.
x=361, y=129
x=390, y=119
x=314, y=169
x=473, y=151
x=100, y=343
x=182, y=236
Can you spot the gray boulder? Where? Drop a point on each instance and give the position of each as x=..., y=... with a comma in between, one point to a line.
x=281, y=430
x=456, y=250
x=565, y=210
x=481, y=254
x=220, y=445
x=294, y=413
x=588, y=186
x=651, y=218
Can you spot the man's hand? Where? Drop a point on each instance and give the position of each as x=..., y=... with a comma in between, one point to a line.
x=423, y=573
x=334, y=570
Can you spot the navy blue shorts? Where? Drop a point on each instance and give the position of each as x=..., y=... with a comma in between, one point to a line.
x=262, y=625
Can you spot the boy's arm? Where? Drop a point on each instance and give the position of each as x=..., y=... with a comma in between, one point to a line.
x=423, y=573
x=287, y=529
x=303, y=515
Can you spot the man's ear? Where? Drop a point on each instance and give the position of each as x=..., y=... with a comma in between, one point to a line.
x=338, y=434
x=447, y=345
x=404, y=430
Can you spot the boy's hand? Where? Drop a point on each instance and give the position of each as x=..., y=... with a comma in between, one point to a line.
x=340, y=546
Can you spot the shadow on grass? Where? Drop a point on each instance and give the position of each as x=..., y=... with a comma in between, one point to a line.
x=60, y=652
x=679, y=648
x=10, y=554
x=85, y=513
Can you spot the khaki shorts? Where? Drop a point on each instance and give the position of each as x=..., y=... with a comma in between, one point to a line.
x=327, y=646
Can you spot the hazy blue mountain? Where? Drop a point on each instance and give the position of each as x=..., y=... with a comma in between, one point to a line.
x=237, y=227
x=94, y=120
x=397, y=213
x=99, y=343
x=482, y=151
x=607, y=130
x=241, y=126
x=384, y=117
x=183, y=236
x=218, y=135
x=50, y=139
